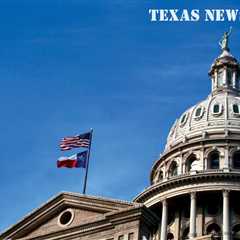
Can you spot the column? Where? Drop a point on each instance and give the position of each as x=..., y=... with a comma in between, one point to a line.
x=213, y=83
x=226, y=159
x=206, y=163
x=164, y=220
x=226, y=219
x=164, y=172
x=234, y=79
x=216, y=79
x=202, y=159
x=193, y=210
x=181, y=164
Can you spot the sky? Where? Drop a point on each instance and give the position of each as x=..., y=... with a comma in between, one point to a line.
x=70, y=65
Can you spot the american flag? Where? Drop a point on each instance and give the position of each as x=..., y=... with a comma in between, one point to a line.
x=82, y=140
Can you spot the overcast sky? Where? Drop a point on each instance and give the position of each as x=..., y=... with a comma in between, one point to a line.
x=70, y=65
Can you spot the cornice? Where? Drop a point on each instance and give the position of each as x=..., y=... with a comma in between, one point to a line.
x=187, y=179
x=102, y=223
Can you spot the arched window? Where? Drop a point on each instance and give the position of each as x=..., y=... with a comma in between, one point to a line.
x=236, y=160
x=213, y=160
x=173, y=169
x=189, y=162
x=236, y=232
x=160, y=176
x=185, y=233
x=199, y=113
x=215, y=230
x=183, y=119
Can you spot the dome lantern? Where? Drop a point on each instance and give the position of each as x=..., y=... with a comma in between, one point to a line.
x=225, y=71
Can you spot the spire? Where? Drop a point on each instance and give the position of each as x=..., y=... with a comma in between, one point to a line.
x=225, y=71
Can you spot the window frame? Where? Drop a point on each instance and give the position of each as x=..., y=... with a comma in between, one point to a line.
x=216, y=114
x=70, y=220
x=235, y=113
x=183, y=119
x=173, y=168
x=209, y=160
x=202, y=109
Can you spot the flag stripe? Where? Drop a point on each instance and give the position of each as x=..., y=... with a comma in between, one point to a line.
x=82, y=140
x=76, y=143
x=67, y=163
x=72, y=142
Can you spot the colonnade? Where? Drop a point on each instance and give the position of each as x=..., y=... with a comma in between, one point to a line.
x=193, y=214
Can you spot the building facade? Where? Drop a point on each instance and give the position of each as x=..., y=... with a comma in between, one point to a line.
x=195, y=184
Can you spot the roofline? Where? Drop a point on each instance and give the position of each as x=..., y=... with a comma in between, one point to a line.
x=109, y=220
x=61, y=198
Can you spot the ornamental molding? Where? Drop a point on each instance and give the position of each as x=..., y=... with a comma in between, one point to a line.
x=207, y=180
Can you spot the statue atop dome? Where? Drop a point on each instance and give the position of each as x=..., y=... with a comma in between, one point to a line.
x=224, y=41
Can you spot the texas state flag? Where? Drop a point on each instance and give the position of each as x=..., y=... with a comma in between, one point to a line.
x=78, y=160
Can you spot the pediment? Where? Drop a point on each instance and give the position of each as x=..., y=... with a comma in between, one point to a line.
x=53, y=224
x=64, y=210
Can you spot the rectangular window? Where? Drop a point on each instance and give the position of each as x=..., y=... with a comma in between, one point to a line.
x=121, y=237
x=235, y=108
x=229, y=77
x=216, y=108
x=130, y=236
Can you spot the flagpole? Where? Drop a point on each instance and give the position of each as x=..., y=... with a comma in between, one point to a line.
x=86, y=174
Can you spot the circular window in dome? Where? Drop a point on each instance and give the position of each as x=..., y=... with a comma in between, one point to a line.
x=66, y=218
x=217, y=109
x=183, y=119
x=199, y=113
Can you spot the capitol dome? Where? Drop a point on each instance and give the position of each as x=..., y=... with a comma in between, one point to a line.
x=216, y=116
x=195, y=183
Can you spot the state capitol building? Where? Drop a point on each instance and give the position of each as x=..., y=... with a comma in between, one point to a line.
x=195, y=184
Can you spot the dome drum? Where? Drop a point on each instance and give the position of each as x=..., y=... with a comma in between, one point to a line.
x=195, y=158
